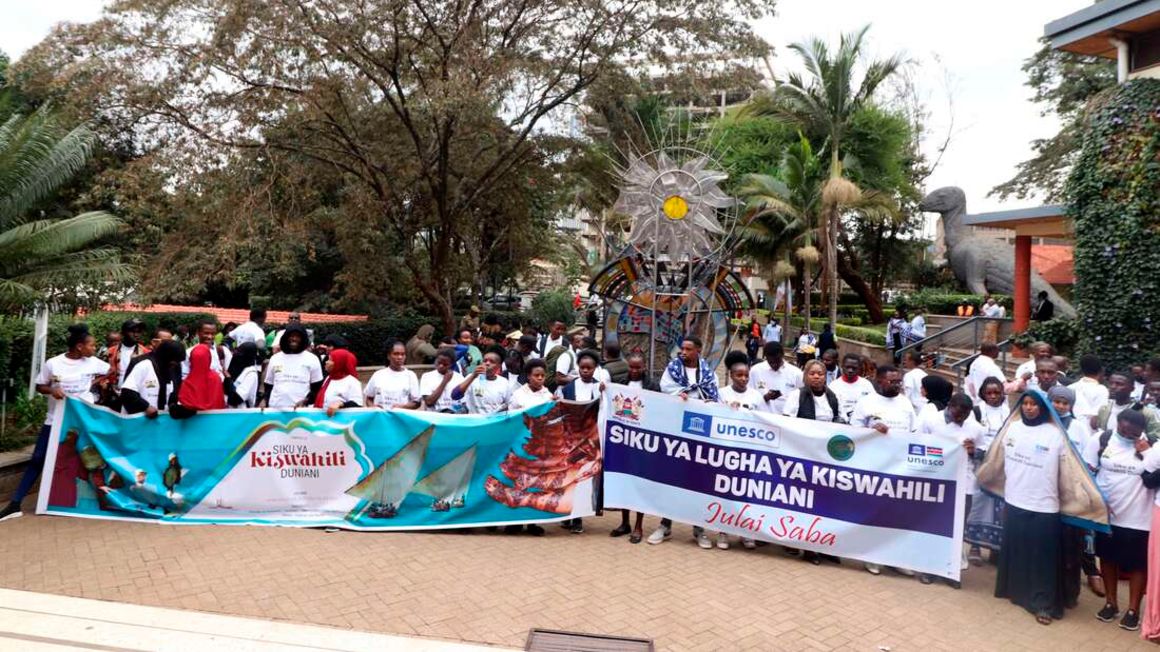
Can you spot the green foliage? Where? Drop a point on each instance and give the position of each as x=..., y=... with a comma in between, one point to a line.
x=937, y=302
x=1114, y=197
x=551, y=306
x=864, y=334
x=25, y=417
x=1063, y=334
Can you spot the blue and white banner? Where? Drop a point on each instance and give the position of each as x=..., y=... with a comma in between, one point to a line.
x=894, y=499
x=363, y=469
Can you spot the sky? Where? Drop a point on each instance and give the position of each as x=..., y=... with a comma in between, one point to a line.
x=966, y=58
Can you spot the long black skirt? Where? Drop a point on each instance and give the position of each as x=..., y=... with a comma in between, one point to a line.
x=1029, y=568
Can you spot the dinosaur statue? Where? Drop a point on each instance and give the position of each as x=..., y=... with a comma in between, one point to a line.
x=982, y=264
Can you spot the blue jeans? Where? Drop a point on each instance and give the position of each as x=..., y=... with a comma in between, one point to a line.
x=35, y=465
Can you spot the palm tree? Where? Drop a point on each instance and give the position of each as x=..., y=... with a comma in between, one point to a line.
x=782, y=220
x=45, y=260
x=824, y=101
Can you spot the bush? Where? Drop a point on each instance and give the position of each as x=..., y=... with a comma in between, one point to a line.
x=1063, y=334
x=937, y=302
x=552, y=306
x=855, y=333
x=26, y=417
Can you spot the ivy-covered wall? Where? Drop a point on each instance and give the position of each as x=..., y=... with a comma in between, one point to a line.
x=1114, y=197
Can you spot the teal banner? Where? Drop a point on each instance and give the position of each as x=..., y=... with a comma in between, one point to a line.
x=363, y=469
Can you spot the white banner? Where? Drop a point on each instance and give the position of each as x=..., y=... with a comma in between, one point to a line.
x=893, y=499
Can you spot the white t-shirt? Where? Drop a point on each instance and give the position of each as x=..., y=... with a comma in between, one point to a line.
x=430, y=381
x=992, y=419
x=215, y=361
x=912, y=387
x=982, y=368
x=1079, y=431
x=343, y=390
x=291, y=374
x=918, y=326
x=566, y=364
x=1090, y=396
x=585, y=392
x=388, y=388
x=771, y=332
x=936, y=424
x=524, y=397
x=822, y=411
x=750, y=399
x=143, y=380
x=490, y=396
x=1118, y=477
x=993, y=310
x=73, y=377
x=1152, y=464
x=553, y=343
x=1031, y=460
x=1138, y=391
x=762, y=377
x=850, y=393
x=251, y=333
x=246, y=386
x=896, y=412
x=125, y=358
x=669, y=385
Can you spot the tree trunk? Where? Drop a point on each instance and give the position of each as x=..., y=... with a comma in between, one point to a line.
x=869, y=298
x=807, y=283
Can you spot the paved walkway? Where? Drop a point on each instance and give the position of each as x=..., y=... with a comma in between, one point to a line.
x=491, y=588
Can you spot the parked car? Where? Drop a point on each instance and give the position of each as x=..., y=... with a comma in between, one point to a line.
x=503, y=302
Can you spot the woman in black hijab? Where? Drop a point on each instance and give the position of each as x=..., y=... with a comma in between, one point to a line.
x=241, y=383
x=161, y=374
x=938, y=391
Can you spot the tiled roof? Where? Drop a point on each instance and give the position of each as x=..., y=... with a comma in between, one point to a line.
x=239, y=315
x=1055, y=263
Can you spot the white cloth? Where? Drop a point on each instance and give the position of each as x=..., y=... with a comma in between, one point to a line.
x=912, y=387
x=246, y=386
x=982, y=368
x=1031, y=462
x=251, y=333
x=1090, y=396
x=524, y=397
x=1079, y=431
x=566, y=364
x=918, y=327
x=1027, y=368
x=344, y=390
x=750, y=399
x=771, y=332
x=936, y=423
x=896, y=412
x=430, y=381
x=763, y=377
x=669, y=385
x=388, y=388
x=822, y=411
x=992, y=419
x=585, y=392
x=1138, y=391
x=291, y=374
x=1118, y=477
x=550, y=344
x=126, y=356
x=992, y=310
x=74, y=377
x=489, y=396
x=143, y=380
x=850, y=393
x=1152, y=464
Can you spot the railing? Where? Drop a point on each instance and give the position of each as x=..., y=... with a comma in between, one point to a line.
x=965, y=338
x=962, y=367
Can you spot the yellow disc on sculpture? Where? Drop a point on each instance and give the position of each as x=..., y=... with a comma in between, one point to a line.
x=676, y=208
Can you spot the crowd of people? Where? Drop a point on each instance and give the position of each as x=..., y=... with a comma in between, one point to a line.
x=1110, y=418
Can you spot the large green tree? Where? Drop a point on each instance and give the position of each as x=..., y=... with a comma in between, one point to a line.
x=46, y=260
x=423, y=108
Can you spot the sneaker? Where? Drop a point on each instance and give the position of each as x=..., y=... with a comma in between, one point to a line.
x=902, y=571
x=660, y=535
x=874, y=569
x=1107, y=614
x=577, y=527
x=703, y=541
x=11, y=511
x=1130, y=621
x=723, y=542
x=748, y=544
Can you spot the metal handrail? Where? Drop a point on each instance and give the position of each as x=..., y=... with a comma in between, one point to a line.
x=973, y=322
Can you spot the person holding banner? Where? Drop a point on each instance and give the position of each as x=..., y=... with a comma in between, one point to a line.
x=1117, y=457
x=1029, y=568
x=637, y=378
x=585, y=387
x=154, y=380
x=293, y=375
x=437, y=385
x=202, y=387
x=775, y=378
x=485, y=389
x=985, y=519
x=688, y=375
x=738, y=393
x=342, y=388
x=77, y=373
x=851, y=387
x=395, y=387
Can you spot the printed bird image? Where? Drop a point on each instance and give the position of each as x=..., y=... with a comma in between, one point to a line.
x=172, y=476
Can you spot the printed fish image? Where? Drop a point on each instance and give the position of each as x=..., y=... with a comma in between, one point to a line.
x=448, y=484
x=386, y=487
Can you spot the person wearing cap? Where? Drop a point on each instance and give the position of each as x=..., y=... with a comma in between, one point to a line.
x=470, y=321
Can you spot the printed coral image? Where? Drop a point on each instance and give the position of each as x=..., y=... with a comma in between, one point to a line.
x=565, y=450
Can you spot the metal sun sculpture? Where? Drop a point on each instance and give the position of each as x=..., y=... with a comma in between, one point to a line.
x=671, y=280
x=673, y=205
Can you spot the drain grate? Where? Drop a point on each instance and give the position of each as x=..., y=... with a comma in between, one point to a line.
x=547, y=640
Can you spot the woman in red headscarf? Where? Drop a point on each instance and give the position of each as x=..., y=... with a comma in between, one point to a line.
x=342, y=387
x=202, y=388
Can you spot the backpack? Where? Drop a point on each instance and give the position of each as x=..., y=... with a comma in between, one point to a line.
x=1106, y=436
x=550, y=363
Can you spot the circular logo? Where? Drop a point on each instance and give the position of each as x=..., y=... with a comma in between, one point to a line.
x=840, y=447
x=676, y=208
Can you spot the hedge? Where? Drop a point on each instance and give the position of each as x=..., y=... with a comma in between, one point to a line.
x=940, y=303
x=856, y=333
x=1063, y=334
